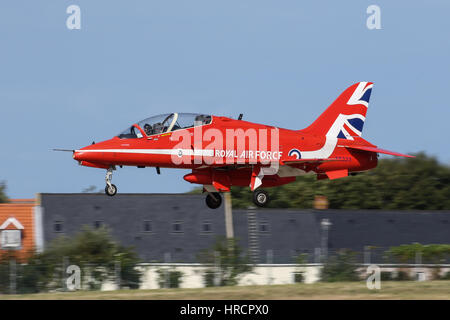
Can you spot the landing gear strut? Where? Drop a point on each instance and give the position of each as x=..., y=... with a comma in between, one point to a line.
x=110, y=188
x=260, y=198
x=213, y=200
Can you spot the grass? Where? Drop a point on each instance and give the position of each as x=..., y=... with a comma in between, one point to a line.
x=404, y=290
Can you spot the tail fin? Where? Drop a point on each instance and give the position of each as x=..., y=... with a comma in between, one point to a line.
x=345, y=117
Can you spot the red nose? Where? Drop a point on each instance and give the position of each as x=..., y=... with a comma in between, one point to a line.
x=77, y=155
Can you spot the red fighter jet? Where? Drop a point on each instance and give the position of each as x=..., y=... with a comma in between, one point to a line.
x=224, y=152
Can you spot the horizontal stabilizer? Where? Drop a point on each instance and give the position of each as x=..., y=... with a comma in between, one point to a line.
x=378, y=150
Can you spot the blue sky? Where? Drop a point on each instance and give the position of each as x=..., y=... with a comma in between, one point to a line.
x=277, y=62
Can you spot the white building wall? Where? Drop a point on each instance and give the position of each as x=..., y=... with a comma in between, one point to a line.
x=38, y=212
x=262, y=274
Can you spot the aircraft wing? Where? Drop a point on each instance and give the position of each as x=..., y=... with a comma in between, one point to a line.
x=378, y=150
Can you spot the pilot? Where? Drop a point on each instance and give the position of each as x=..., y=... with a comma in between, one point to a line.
x=158, y=128
x=148, y=129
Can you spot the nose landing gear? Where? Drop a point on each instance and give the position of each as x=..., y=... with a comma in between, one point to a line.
x=110, y=188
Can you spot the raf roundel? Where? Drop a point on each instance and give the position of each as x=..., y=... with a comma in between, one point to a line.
x=295, y=153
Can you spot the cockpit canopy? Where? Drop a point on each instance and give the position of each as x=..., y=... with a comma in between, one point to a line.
x=165, y=123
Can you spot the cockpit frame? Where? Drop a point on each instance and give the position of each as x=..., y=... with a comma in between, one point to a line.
x=165, y=123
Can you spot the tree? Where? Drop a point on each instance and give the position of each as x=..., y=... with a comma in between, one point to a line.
x=3, y=197
x=398, y=183
x=226, y=260
x=430, y=253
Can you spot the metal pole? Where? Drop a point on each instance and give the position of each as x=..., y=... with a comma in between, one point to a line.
x=228, y=216
x=325, y=224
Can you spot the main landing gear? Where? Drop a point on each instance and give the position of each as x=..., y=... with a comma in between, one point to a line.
x=110, y=188
x=260, y=198
x=213, y=200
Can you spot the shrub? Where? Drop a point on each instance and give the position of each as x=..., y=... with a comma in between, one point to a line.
x=169, y=278
x=340, y=267
x=386, y=276
x=445, y=276
x=225, y=258
x=94, y=251
x=208, y=278
x=402, y=276
x=298, y=277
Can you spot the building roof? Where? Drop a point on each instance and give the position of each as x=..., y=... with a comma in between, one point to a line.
x=18, y=214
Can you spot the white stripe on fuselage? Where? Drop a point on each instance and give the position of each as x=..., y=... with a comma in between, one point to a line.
x=185, y=152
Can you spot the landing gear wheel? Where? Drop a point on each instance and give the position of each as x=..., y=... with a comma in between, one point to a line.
x=111, y=190
x=214, y=203
x=261, y=198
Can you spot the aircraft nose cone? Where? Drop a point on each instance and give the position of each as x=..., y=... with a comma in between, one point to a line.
x=77, y=155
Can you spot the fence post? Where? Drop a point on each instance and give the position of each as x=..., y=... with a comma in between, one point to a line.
x=12, y=276
x=65, y=263
x=117, y=271
x=317, y=255
x=217, y=279
x=419, y=273
x=367, y=255
x=418, y=258
x=166, y=270
x=269, y=260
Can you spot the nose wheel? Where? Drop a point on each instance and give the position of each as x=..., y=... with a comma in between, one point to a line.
x=110, y=188
x=213, y=200
x=261, y=198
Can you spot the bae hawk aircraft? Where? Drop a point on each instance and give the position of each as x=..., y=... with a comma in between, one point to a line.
x=224, y=152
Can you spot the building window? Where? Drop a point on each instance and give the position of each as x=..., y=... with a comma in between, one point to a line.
x=148, y=226
x=264, y=226
x=58, y=226
x=206, y=227
x=177, y=227
x=98, y=224
x=11, y=239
